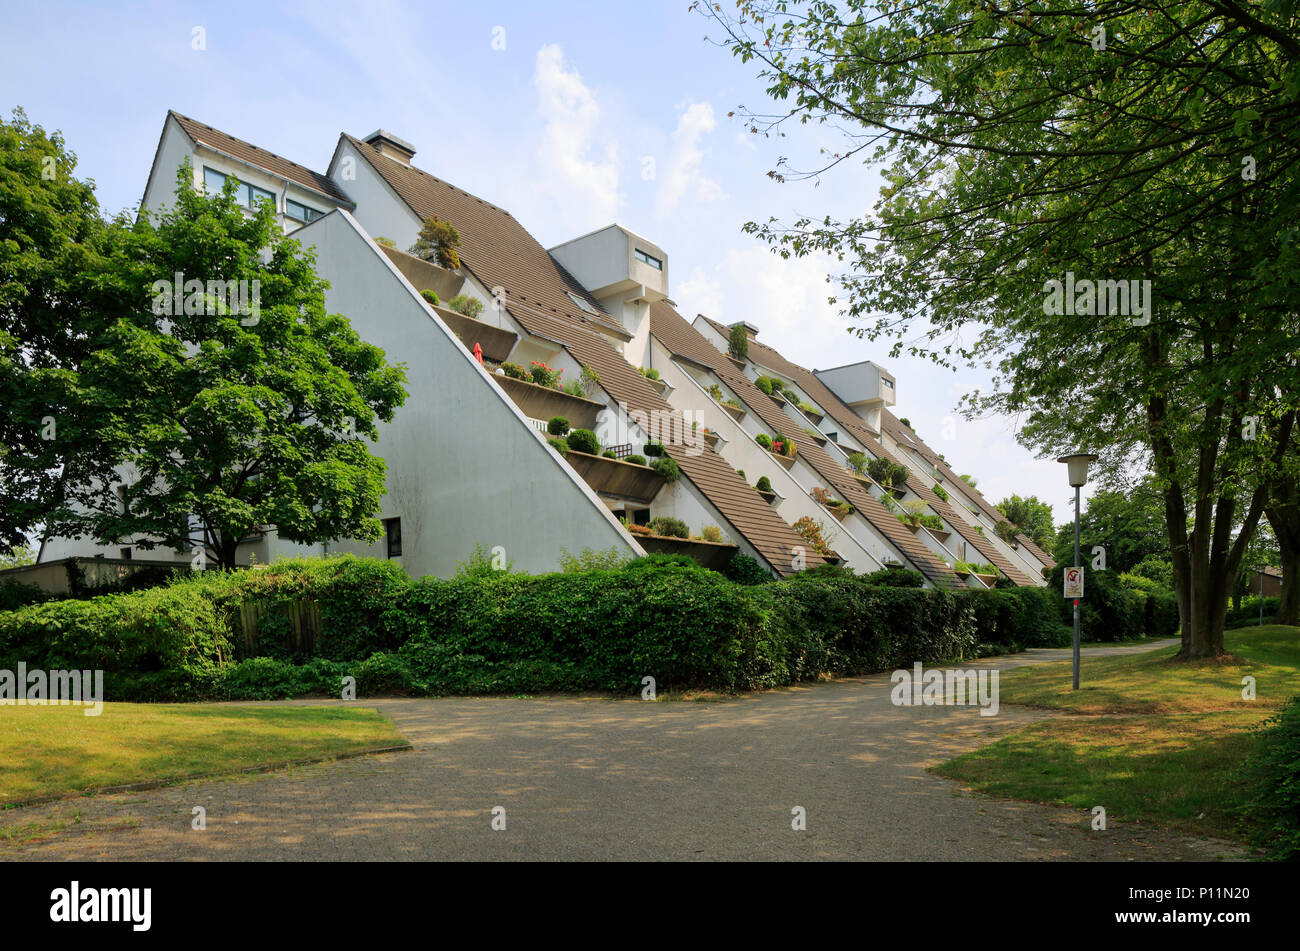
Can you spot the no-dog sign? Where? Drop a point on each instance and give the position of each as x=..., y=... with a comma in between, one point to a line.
x=1074, y=582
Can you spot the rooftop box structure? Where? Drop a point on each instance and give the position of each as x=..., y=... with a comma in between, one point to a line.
x=616, y=264
x=866, y=388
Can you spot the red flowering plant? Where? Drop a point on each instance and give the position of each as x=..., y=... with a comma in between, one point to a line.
x=544, y=375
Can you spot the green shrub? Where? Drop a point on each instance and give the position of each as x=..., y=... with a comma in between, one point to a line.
x=635, y=459
x=558, y=426
x=764, y=384
x=940, y=491
x=1249, y=612
x=857, y=462
x=653, y=449
x=667, y=468
x=711, y=533
x=609, y=454
x=584, y=440
x=764, y=484
x=16, y=594
x=430, y=296
x=515, y=371
x=463, y=304
x=896, y=576
x=1108, y=611
x=745, y=570
x=575, y=388
x=652, y=374
x=764, y=440
x=1272, y=774
x=672, y=527
x=559, y=445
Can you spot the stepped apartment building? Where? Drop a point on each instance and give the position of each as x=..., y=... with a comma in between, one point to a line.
x=469, y=461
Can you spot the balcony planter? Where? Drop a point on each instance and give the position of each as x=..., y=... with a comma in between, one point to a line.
x=816, y=418
x=832, y=559
x=739, y=363
x=769, y=496
x=787, y=461
x=714, y=555
x=712, y=439
x=940, y=534
x=778, y=400
x=496, y=342
x=819, y=440
x=840, y=513
x=542, y=402
x=615, y=478
x=990, y=580
x=737, y=413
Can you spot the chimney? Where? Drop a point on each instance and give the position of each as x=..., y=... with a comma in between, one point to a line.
x=750, y=330
x=399, y=150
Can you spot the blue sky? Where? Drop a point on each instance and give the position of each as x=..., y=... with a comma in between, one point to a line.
x=592, y=112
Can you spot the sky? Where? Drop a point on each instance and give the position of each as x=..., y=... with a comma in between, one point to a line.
x=570, y=115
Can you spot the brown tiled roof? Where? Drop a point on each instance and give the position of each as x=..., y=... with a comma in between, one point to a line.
x=907, y=436
x=493, y=245
x=499, y=252
x=1028, y=544
x=300, y=174
x=739, y=504
x=822, y=394
x=670, y=329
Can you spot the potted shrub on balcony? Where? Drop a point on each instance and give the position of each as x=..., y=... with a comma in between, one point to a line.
x=764, y=488
x=584, y=440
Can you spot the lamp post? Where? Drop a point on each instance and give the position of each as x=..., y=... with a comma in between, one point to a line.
x=1077, y=466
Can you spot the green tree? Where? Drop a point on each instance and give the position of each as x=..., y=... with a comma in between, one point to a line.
x=1129, y=525
x=1024, y=146
x=51, y=250
x=16, y=557
x=437, y=242
x=1283, y=514
x=229, y=411
x=738, y=342
x=1030, y=516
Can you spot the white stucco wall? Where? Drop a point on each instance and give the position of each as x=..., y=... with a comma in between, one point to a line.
x=465, y=466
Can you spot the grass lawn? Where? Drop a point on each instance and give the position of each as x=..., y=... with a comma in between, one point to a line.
x=1148, y=738
x=57, y=750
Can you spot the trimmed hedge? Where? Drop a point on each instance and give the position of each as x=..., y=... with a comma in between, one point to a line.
x=600, y=629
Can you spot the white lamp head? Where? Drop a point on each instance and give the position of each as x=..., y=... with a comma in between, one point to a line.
x=1078, y=467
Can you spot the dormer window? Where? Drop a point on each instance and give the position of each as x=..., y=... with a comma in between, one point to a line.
x=649, y=259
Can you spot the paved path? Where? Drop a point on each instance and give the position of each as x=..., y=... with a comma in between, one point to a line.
x=592, y=779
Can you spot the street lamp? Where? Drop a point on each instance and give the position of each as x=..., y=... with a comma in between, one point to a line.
x=1077, y=466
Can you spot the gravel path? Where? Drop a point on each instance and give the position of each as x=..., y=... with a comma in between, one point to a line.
x=593, y=779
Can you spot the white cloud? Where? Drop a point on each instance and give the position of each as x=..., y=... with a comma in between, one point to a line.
x=584, y=175
x=684, y=174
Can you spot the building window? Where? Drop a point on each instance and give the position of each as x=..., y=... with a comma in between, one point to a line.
x=301, y=212
x=245, y=194
x=644, y=258
x=640, y=516
x=393, y=537
x=126, y=554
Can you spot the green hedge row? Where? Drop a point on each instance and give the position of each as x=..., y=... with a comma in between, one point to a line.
x=319, y=620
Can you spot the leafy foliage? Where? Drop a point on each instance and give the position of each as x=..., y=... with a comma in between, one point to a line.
x=437, y=242
x=738, y=342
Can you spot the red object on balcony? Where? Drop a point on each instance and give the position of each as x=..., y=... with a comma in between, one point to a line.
x=478, y=353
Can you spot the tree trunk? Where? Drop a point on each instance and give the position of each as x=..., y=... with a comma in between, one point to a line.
x=1284, y=515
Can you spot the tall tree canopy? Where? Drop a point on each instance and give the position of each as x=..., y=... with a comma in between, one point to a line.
x=1030, y=516
x=52, y=246
x=1097, y=200
x=174, y=382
